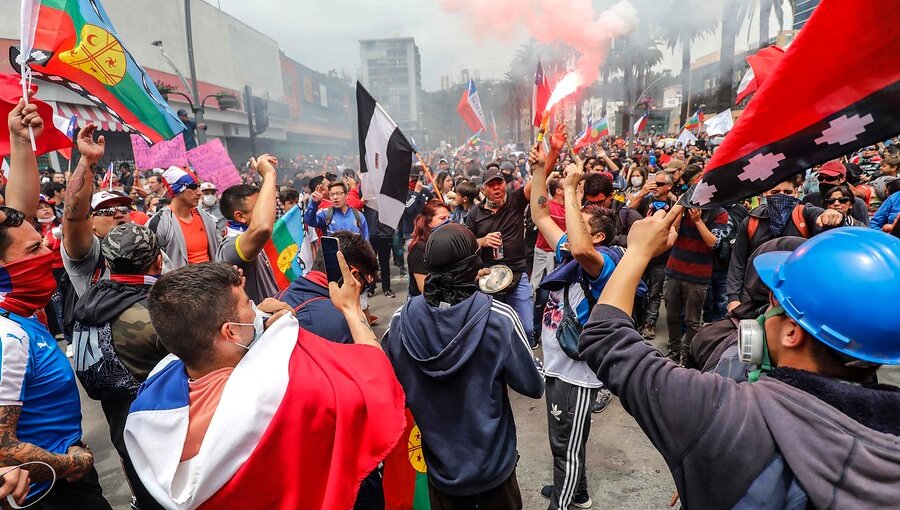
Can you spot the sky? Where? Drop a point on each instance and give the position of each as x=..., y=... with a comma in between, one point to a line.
x=325, y=34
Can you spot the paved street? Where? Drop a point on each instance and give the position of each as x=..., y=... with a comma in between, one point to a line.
x=624, y=470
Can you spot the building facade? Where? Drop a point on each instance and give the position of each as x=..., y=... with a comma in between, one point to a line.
x=392, y=72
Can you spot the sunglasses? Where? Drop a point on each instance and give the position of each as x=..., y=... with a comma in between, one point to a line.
x=832, y=201
x=112, y=211
x=661, y=184
x=193, y=186
x=828, y=178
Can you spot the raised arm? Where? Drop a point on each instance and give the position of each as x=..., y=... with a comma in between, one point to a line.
x=609, y=163
x=540, y=212
x=345, y=297
x=78, y=231
x=581, y=244
x=24, y=184
x=262, y=223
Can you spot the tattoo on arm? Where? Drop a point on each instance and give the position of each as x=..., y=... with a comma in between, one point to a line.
x=76, y=184
x=542, y=201
x=14, y=452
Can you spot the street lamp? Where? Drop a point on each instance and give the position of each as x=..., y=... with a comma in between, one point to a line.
x=629, y=127
x=159, y=44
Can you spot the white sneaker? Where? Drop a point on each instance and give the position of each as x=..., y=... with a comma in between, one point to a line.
x=70, y=351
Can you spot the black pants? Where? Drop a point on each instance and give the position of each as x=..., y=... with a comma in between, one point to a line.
x=85, y=494
x=116, y=412
x=568, y=425
x=383, y=247
x=505, y=496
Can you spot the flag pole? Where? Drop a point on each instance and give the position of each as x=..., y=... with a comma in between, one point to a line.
x=430, y=177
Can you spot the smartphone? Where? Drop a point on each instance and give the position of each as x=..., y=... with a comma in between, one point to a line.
x=330, y=248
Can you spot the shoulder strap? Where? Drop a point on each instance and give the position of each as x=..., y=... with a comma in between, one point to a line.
x=800, y=221
x=358, y=221
x=329, y=215
x=308, y=301
x=752, y=225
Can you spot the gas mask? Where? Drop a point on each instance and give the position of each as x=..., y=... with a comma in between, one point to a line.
x=752, y=344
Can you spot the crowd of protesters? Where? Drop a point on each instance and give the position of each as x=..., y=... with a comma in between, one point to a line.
x=157, y=281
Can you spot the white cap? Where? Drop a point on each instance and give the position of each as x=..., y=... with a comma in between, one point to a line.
x=109, y=199
x=208, y=186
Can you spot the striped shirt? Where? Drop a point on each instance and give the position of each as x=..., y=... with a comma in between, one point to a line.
x=691, y=259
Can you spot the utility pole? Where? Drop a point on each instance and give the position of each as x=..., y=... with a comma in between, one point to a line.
x=198, y=108
x=248, y=105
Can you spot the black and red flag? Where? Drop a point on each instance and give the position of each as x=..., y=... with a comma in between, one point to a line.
x=836, y=89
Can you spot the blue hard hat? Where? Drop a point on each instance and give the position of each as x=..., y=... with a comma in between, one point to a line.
x=843, y=287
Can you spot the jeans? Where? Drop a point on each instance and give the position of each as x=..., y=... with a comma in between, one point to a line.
x=716, y=299
x=382, y=246
x=687, y=298
x=519, y=299
x=398, y=246
x=654, y=276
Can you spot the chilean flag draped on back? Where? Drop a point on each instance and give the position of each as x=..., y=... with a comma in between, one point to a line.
x=836, y=89
x=301, y=422
x=74, y=44
x=469, y=108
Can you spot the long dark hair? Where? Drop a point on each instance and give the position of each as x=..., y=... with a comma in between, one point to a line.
x=421, y=231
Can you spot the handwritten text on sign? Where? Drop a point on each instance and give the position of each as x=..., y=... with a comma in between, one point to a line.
x=213, y=164
x=160, y=155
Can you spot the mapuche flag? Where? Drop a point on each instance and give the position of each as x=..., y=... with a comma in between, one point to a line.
x=836, y=89
x=405, y=474
x=385, y=159
x=300, y=423
x=287, y=238
x=73, y=43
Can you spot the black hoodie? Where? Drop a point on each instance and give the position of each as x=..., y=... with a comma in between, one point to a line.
x=455, y=364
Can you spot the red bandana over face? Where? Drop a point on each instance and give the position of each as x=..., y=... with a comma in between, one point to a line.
x=27, y=284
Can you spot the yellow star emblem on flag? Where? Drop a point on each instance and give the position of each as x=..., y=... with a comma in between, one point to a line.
x=286, y=258
x=99, y=54
x=414, y=448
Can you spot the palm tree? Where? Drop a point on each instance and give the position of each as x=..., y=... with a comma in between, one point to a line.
x=732, y=16
x=684, y=33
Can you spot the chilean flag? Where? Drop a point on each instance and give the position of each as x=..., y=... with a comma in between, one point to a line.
x=300, y=423
x=761, y=65
x=469, y=108
x=67, y=126
x=106, y=183
x=50, y=139
x=540, y=96
x=817, y=104
x=640, y=124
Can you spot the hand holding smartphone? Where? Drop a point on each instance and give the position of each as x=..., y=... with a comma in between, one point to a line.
x=330, y=248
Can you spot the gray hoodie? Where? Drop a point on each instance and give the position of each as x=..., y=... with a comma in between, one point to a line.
x=792, y=437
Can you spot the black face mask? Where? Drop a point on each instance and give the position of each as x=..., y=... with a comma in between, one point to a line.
x=508, y=178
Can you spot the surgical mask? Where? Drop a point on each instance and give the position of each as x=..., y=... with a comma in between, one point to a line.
x=46, y=220
x=752, y=344
x=637, y=181
x=259, y=324
x=209, y=200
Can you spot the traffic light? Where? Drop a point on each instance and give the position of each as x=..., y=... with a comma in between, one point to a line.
x=260, y=115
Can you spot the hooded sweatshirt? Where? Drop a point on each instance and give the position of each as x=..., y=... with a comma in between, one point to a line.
x=791, y=439
x=455, y=364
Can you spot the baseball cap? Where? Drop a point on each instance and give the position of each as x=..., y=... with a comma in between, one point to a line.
x=506, y=165
x=109, y=199
x=129, y=248
x=182, y=112
x=834, y=169
x=675, y=164
x=492, y=164
x=45, y=199
x=492, y=173
x=206, y=186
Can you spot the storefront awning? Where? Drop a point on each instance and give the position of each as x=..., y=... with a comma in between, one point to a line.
x=85, y=113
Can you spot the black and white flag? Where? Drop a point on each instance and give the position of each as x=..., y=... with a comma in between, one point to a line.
x=385, y=159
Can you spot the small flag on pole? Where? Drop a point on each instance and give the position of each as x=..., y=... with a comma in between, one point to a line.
x=640, y=124
x=540, y=96
x=469, y=108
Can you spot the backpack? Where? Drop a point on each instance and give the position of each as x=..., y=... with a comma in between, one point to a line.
x=329, y=215
x=70, y=297
x=98, y=367
x=570, y=328
x=796, y=216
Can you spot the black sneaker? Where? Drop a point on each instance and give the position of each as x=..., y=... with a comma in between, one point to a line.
x=547, y=491
x=599, y=405
x=389, y=293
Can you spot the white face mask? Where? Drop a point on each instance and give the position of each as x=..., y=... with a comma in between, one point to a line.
x=46, y=220
x=209, y=200
x=637, y=181
x=259, y=323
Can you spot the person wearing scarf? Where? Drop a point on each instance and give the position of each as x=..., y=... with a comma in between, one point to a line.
x=115, y=343
x=455, y=351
